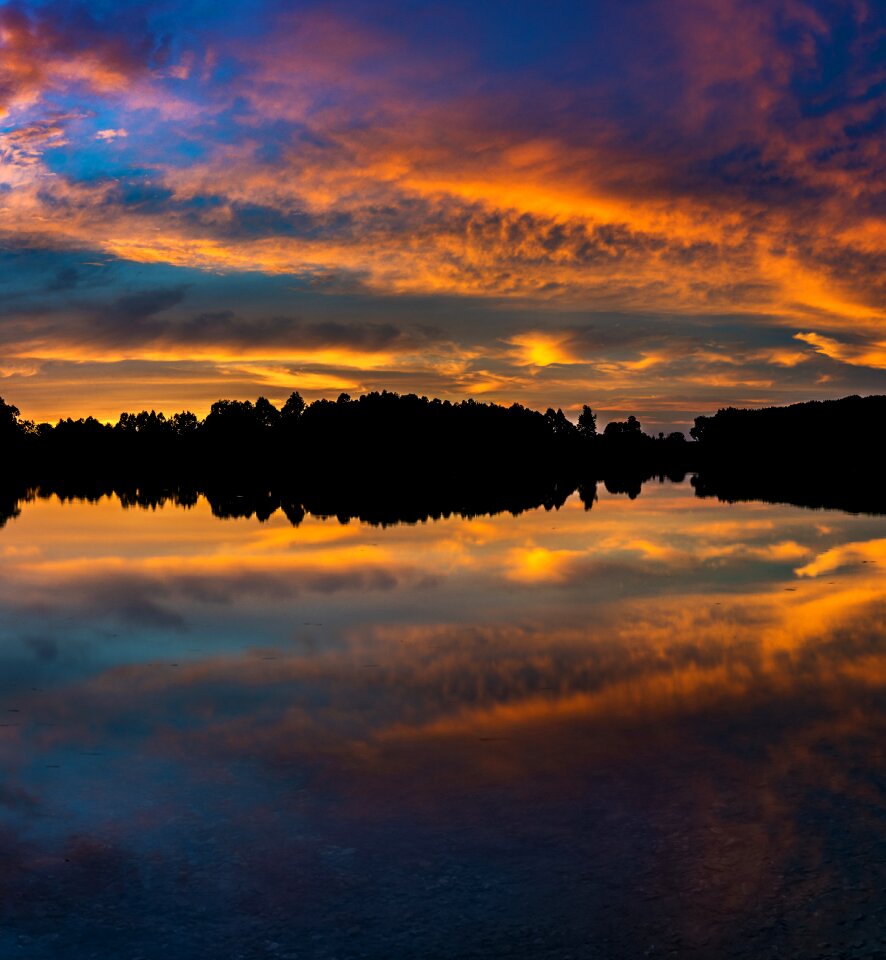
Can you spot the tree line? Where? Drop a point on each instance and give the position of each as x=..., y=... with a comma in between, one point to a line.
x=377, y=434
x=386, y=433
x=387, y=458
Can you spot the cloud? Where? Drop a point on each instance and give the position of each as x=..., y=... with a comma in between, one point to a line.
x=519, y=216
x=844, y=555
x=541, y=349
x=709, y=165
x=154, y=323
x=858, y=354
x=46, y=52
x=163, y=596
x=24, y=146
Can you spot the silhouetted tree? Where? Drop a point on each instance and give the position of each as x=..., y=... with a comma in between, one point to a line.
x=184, y=424
x=587, y=422
x=125, y=423
x=153, y=424
x=698, y=431
x=293, y=408
x=559, y=423
x=233, y=419
x=10, y=425
x=266, y=413
x=587, y=493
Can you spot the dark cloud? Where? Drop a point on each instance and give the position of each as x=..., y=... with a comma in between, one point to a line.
x=44, y=47
x=158, y=316
x=136, y=307
x=226, y=327
x=66, y=278
x=44, y=648
x=141, y=195
x=136, y=319
x=166, y=601
x=260, y=220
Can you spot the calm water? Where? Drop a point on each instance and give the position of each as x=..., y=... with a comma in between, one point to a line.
x=651, y=729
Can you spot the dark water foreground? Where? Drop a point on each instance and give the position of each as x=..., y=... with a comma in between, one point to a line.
x=650, y=729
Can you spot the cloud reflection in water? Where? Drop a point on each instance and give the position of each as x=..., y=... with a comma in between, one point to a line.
x=657, y=723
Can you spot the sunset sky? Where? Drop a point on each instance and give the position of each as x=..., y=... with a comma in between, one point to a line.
x=652, y=206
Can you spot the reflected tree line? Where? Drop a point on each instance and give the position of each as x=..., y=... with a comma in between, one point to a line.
x=263, y=502
x=386, y=457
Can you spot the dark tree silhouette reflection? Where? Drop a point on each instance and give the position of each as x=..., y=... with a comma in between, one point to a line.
x=386, y=457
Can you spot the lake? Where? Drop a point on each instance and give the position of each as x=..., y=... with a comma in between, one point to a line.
x=652, y=728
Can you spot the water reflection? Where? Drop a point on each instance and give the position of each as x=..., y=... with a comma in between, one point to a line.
x=650, y=729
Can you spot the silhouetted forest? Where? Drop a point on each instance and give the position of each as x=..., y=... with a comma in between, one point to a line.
x=382, y=458
x=386, y=458
x=378, y=438
x=820, y=454
x=371, y=505
x=804, y=431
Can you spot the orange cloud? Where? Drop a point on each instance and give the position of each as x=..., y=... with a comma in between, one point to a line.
x=861, y=355
x=542, y=349
x=845, y=555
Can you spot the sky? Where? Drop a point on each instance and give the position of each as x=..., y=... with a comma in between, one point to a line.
x=657, y=207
